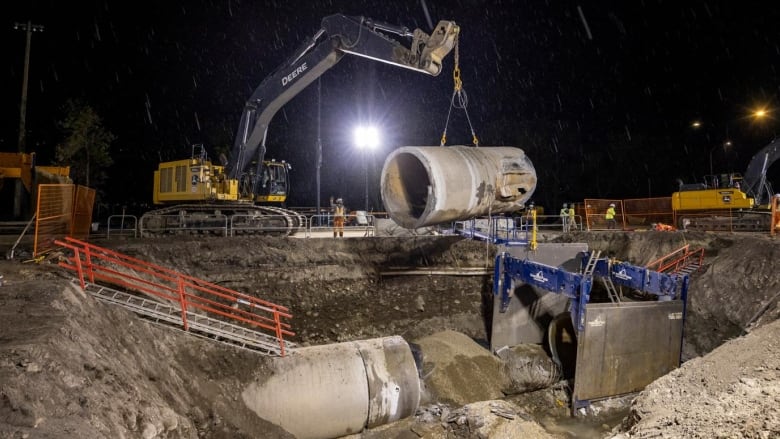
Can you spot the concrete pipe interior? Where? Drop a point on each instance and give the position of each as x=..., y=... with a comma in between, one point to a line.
x=411, y=192
x=424, y=186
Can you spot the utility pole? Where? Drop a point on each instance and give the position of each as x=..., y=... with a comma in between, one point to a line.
x=29, y=28
x=318, y=163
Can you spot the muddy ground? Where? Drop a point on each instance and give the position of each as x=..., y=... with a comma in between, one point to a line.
x=72, y=367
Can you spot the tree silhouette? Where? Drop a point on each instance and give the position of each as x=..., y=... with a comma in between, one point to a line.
x=86, y=148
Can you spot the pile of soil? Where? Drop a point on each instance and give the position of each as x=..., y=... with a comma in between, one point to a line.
x=72, y=367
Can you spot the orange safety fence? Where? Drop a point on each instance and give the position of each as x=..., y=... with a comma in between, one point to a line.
x=82, y=212
x=54, y=215
x=642, y=213
x=595, y=210
x=774, y=226
x=677, y=260
x=62, y=210
x=92, y=263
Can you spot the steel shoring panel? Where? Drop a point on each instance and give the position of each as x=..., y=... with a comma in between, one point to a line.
x=532, y=309
x=215, y=329
x=625, y=347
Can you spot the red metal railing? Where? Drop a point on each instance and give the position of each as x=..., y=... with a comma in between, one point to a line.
x=677, y=260
x=92, y=263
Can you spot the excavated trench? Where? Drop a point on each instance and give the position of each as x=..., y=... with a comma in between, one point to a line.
x=431, y=291
x=345, y=290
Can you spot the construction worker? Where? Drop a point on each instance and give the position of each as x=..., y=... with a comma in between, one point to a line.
x=610, y=217
x=572, y=219
x=565, y=217
x=338, y=217
x=776, y=214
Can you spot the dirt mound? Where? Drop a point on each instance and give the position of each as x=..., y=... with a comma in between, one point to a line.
x=732, y=392
x=71, y=367
x=456, y=370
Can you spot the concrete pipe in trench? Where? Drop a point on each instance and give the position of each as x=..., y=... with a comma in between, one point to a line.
x=339, y=389
x=428, y=185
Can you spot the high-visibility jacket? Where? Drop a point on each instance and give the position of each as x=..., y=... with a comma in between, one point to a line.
x=338, y=211
x=610, y=213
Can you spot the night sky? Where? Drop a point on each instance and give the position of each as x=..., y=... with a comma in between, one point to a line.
x=600, y=95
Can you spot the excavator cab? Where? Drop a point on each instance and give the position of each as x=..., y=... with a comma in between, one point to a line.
x=274, y=183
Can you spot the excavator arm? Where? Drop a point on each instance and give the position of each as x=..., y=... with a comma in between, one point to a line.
x=338, y=35
x=755, y=182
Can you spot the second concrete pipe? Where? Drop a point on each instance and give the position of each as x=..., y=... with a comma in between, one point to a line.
x=429, y=185
x=329, y=391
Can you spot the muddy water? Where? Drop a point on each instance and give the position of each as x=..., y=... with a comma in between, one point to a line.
x=587, y=427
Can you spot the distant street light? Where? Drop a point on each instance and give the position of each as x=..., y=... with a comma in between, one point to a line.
x=367, y=139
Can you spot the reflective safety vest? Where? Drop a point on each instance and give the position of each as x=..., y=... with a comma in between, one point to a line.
x=610, y=213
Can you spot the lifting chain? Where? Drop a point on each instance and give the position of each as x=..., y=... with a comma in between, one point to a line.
x=462, y=101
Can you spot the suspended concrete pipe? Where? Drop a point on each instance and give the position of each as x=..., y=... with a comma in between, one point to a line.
x=339, y=389
x=428, y=185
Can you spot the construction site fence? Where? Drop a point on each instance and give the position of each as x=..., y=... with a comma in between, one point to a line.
x=96, y=264
x=61, y=210
x=551, y=223
x=363, y=224
x=498, y=229
x=122, y=225
x=630, y=214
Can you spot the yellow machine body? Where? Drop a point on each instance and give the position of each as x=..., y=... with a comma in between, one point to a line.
x=192, y=180
x=711, y=199
x=197, y=180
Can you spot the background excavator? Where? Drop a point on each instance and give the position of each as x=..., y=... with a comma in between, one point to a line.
x=730, y=201
x=203, y=196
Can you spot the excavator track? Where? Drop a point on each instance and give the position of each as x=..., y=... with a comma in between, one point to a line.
x=221, y=220
x=742, y=222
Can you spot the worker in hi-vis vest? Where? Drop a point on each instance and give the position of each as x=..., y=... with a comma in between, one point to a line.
x=610, y=216
x=338, y=217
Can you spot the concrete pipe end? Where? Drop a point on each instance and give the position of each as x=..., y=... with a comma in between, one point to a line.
x=424, y=186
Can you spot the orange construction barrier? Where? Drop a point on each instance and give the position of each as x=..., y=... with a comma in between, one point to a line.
x=92, y=263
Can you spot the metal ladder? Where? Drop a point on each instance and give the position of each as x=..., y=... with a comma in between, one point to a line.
x=199, y=325
x=591, y=265
x=612, y=292
x=689, y=269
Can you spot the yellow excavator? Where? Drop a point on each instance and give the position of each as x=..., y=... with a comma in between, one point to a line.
x=199, y=196
x=22, y=169
x=729, y=201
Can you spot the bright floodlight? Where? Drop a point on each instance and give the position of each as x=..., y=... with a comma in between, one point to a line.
x=759, y=113
x=366, y=137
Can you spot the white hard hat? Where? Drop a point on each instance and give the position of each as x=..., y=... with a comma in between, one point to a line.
x=611, y=204
x=339, y=201
x=565, y=205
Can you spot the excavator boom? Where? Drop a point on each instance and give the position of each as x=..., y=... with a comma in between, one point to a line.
x=338, y=35
x=756, y=184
